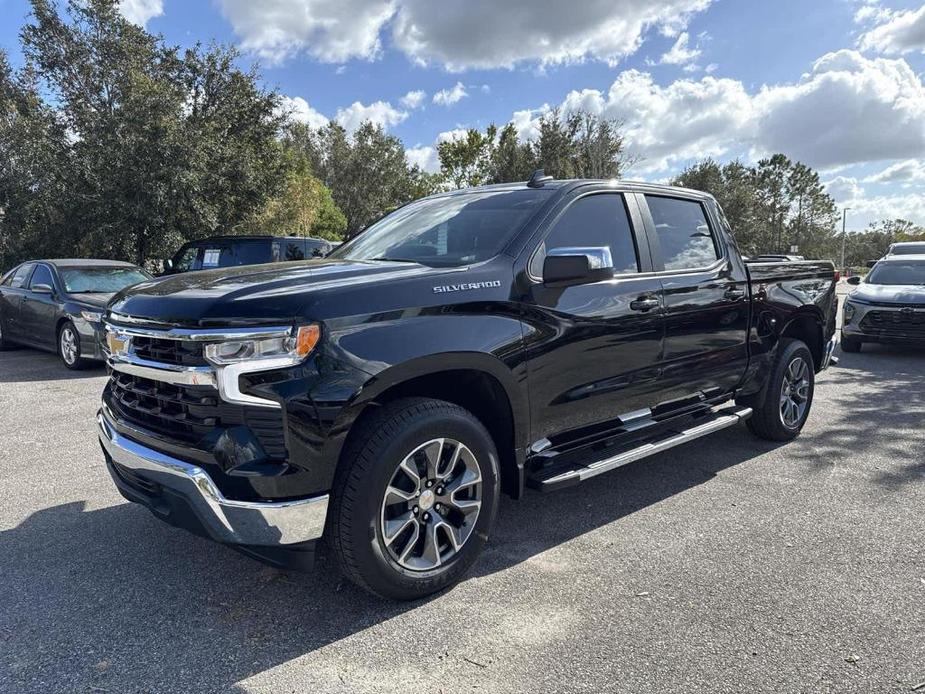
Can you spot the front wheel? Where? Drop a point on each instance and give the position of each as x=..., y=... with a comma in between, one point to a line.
x=415, y=498
x=69, y=347
x=786, y=401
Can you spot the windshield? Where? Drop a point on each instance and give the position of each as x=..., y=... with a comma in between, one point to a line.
x=446, y=231
x=100, y=280
x=911, y=272
x=908, y=249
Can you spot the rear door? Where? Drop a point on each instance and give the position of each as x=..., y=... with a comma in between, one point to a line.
x=706, y=304
x=594, y=349
x=38, y=310
x=12, y=291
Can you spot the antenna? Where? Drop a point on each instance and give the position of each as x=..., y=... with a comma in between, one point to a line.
x=538, y=179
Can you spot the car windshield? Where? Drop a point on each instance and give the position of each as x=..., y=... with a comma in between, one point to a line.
x=911, y=272
x=908, y=249
x=446, y=231
x=100, y=280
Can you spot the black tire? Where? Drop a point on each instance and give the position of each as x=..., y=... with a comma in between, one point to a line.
x=370, y=461
x=71, y=360
x=767, y=420
x=849, y=344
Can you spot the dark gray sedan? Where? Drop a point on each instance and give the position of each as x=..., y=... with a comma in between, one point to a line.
x=57, y=305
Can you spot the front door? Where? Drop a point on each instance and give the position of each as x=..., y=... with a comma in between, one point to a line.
x=38, y=309
x=593, y=350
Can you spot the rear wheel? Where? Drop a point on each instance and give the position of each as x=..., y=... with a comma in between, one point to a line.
x=415, y=499
x=849, y=344
x=788, y=397
x=69, y=347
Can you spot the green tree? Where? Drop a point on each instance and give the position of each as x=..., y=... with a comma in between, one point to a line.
x=772, y=206
x=368, y=173
x=304, y=207
x=466, y=161
x=159, y=145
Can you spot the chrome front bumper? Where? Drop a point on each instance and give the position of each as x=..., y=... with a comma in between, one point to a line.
x=225, y=520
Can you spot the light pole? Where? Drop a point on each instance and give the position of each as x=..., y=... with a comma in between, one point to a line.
x=844, y=218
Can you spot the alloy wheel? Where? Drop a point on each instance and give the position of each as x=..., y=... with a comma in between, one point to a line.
x=69, y=349
x=431, y=504
x=794, y=395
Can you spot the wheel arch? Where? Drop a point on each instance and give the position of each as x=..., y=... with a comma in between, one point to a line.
x=478, y=382
x=807, y=325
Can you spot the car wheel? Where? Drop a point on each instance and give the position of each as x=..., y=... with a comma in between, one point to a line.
x=788, y=396
x=69, y=347
x=849, y=344
x=415, y=498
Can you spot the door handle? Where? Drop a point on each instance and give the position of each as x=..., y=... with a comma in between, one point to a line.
x=645, y=303
x=734, y=292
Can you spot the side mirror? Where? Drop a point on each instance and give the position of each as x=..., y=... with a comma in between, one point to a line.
x=854, y=280
x=42, y=289
x=577, y=265
x=168, y=265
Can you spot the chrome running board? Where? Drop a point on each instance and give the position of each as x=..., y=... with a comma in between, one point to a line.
x=721, y=420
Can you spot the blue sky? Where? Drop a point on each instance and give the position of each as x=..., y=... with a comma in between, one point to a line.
x=835, y=83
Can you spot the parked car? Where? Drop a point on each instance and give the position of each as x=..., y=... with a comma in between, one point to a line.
x=907, y=248
x=469, y=343
x=231, y=251
x=888, y=305
x=57, y=305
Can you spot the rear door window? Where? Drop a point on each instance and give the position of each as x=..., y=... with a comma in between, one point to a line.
x=684, y=234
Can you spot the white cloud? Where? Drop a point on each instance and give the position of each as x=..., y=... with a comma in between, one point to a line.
x=865, y=208
x=424, y=157
x=300, y=111
x=413, y=99
x=140, y=11
x=329, y=30
x=379, y=112
x=452, y=135
x=456, y=34
x=461, y=34
x=843, y=188
x=448, y=97
x=904, y=172
x=895, y=32
x=880, y=107
x=681, y=53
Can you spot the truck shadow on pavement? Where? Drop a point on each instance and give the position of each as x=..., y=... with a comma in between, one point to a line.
x=876, y=400
x=113, y=600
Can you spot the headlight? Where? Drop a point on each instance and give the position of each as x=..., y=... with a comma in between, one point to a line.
x=92, y=316
x=849, y=311
x=288, y=350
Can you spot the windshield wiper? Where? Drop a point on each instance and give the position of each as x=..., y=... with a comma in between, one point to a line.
x=396, y=260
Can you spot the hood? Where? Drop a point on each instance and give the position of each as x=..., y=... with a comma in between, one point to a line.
x=252, y=294
x=92, y=298
x=889, y=293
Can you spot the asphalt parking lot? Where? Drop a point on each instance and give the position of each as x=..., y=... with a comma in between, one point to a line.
x=729, y=565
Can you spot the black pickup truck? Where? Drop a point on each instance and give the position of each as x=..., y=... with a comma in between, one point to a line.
x=468, y=344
